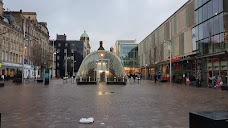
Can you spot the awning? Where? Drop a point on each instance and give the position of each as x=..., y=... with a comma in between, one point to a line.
x=210, y=55
x=175, y=59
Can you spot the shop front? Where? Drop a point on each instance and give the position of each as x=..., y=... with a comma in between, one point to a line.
x=213, y=66
x=9, y=70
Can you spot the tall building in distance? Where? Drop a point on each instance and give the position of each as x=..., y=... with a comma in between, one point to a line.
x=85, y=38
x=127, y=51
x=69, y=56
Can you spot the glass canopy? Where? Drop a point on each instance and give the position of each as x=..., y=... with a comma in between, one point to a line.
x=101, y=66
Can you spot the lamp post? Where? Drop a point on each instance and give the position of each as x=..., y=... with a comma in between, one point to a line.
x=23, y=54
x=53, y=44
x=145, y=71
x=73, y=64
x=66, y=64
x=170, y=57
x=53, y=63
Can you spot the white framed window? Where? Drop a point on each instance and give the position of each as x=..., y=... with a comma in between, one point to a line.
x=6, y=56
x=3, y=57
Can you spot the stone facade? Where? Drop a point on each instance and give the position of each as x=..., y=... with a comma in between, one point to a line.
x=153, y=50
x=19, y=29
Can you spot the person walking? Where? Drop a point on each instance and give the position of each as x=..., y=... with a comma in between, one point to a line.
x=155, y=78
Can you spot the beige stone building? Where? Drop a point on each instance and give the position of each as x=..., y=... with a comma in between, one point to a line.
x=19, y=31
x=153, y=53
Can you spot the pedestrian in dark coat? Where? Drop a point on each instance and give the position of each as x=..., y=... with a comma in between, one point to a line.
x=155, y=78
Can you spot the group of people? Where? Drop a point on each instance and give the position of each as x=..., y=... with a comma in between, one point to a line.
x=215, y=81
x=157, y=77
x=134, y=76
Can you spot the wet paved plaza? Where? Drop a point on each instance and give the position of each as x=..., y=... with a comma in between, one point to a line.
x=145, y=105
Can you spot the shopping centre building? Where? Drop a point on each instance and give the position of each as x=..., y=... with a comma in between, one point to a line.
x=196, y=36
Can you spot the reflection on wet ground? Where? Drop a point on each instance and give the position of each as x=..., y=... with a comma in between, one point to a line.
x=113, y=106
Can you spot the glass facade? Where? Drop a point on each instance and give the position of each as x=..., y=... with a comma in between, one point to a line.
x=211, y=26
x=128, y=54
x=212, y=38
x=101, y=66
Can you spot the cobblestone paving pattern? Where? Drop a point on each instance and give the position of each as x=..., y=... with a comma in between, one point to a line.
x=145, y=105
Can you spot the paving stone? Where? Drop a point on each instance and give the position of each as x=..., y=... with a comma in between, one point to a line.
x=151, y=105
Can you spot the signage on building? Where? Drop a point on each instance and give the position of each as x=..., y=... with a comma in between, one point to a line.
x=0, y=65
x=175, y=59
x=25, y=61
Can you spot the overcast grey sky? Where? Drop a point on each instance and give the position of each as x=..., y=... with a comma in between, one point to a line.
x=106, y=20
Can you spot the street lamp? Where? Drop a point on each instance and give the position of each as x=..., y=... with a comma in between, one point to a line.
x=170, y=55
x=73, y=64
x=66, y=71
x=53, y=63
x=23, y=62
x=145, y=71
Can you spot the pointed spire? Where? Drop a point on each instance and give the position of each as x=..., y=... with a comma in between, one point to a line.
x=101, y=46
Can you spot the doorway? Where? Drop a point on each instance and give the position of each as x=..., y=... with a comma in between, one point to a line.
x=102, y=77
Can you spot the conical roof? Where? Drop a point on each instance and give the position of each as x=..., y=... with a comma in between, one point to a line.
x=101, y=46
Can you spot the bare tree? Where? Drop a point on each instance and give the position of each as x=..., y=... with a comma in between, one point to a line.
x=39, y=57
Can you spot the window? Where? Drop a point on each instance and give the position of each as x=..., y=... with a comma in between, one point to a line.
x=196, y=4
x=206, y=46
x=199, y=3
x=59, y=44
x=221, y=23
x=206, y=29
x=216, y=43
x=181, y=44
x=223, y=47
x=216, y=25
x=57, y=64
x=200, y=31
x=3, y=57
x=6, y=56
x=215, y=7
x=58, y=50
x=66, y=44
x=220, y=5
x=58, y=57
x=205, y=11
x=200, y=13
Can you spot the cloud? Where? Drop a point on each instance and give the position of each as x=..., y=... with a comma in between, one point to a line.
x=107, y=20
